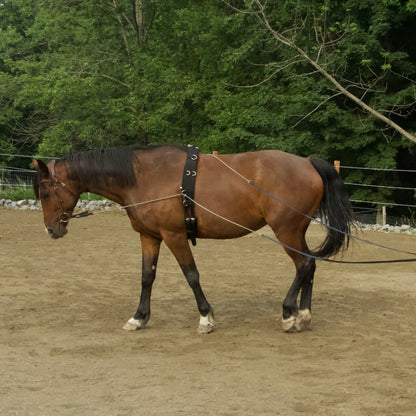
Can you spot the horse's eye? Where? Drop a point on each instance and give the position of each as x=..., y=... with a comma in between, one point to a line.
x=46, y=195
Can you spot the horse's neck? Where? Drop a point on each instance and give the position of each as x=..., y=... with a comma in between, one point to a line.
x=107, y=192
x=104, y=189
x=112, y=176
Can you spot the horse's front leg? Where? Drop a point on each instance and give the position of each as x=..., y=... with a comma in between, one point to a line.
x=150, y=255
x=179, y=246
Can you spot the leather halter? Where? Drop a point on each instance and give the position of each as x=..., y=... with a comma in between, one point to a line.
x=63, y=217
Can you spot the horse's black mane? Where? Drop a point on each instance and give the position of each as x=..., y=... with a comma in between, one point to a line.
x=102, y=166
x=95, y=166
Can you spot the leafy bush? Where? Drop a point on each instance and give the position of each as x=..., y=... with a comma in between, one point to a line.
x=16, y=194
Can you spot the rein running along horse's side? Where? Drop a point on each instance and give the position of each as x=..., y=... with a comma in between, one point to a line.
x=226, y=206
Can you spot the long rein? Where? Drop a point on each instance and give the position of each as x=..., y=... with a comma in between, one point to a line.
x=250, y=182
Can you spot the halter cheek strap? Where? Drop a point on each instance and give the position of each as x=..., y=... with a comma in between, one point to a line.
x=64, y=217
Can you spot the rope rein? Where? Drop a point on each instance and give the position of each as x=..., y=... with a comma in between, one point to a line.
x=120, y=207
x=87, y=213
x=260, y=234
x=249, y=181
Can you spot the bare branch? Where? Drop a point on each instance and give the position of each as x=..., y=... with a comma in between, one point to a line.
x=115, y=80
x=120, y=22
x=319, y=105
x=281, y=68
x=139, y=20
x=259, y=13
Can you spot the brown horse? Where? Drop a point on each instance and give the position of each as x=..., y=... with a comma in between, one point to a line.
x=227, y=206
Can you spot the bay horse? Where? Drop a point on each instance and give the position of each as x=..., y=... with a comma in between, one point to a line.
x=227, y=207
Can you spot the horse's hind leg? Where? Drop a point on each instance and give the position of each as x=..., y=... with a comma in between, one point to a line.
x=294, y=318
x=306, y=295
x=179, y=246
x=150, y=255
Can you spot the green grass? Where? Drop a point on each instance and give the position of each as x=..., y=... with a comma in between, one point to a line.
x=92, y=197
x=16, y=194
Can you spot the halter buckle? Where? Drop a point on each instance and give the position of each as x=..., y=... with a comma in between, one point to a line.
x=64, y=217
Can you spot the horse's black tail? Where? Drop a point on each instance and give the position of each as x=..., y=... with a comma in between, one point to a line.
x=335, y=210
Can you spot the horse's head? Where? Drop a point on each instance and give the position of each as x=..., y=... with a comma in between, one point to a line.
x=57, y=198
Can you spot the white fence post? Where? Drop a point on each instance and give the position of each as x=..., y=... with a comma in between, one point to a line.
x=382, y=216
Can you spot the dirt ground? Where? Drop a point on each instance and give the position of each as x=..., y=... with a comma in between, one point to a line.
x=63, y=351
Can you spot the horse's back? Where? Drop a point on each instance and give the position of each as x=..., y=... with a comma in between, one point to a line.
x=225, y=186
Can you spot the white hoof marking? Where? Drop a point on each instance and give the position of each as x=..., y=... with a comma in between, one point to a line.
x=289, y=324
x=133, y=324
x=298, y=322
x=206, y=324
x=303, y=319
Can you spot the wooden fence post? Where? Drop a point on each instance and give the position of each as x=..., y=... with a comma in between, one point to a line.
x=382, y=216
x=3, y=167
x=215, y=153
x=337, y=165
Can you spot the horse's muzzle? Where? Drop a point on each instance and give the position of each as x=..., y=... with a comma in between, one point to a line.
x=57, y=232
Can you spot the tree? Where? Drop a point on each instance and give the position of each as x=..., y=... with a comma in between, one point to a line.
x=83, y=74
x=258, y=9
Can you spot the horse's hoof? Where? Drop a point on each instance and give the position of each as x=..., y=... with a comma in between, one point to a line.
x=205, y=329
x=303, y=319
x=298, y=322
x=133, y=324
x=289, y=324
x=206, y=324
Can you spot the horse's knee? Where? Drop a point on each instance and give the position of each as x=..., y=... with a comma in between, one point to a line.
x=148, y=277
x=309, y=265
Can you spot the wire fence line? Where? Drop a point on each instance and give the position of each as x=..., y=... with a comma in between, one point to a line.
x=340, y=166
x=383, y=203
x=17, y=170
x=377, y=214
x=379, y=169
x=13, y=177
x=380, y=186
x=28, y=156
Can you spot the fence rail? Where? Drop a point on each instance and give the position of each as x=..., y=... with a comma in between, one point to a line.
x=379, y=214
x=379, y=169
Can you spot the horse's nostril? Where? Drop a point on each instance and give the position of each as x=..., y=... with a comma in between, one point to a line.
x=50, y=231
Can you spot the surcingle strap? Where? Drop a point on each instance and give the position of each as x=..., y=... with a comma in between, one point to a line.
x=188, y=190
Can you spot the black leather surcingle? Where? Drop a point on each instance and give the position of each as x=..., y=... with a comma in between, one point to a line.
x=188, y=190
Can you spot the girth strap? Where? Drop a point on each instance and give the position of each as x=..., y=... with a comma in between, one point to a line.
x=188, y=189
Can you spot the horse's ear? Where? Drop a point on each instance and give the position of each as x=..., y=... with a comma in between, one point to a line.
x=40, y=166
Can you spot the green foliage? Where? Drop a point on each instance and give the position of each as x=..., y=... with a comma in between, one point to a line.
x=17, y=194
x=76, y=75
x=91, y=197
